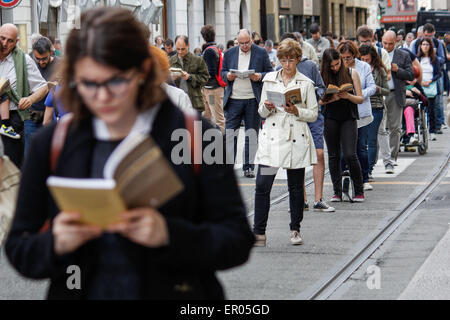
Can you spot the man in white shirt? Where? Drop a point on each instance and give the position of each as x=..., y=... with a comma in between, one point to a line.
x=19, y=115
x=242, y=96
x=271, y=52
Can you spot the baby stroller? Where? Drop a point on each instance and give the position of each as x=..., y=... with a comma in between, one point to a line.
x=415, y=129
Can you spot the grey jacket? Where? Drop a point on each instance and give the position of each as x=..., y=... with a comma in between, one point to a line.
x=405, y=72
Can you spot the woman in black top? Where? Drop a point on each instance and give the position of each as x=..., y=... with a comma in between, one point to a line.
x=340, y=128
x=112, y=86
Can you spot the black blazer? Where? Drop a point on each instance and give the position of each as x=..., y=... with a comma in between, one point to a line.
x=259, y=61
x=207, y=223
x=405, y=72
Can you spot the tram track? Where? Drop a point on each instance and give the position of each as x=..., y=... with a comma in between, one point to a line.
x=286, y=194
x=325, y=287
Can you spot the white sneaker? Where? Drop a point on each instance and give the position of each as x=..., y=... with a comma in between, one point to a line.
x=433, y=137
x=367, y=186
x=295, y=238
x=9, y=132
x=413, y=139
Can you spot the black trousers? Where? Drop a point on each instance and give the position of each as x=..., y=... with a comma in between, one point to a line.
x=264, y=182
x=345, y=134
x=14, y=148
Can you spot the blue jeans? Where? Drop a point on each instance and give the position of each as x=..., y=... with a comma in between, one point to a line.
x=373, y=136
x=30, y=128
x=247, y=110
x=362, y=151
x=439, y=104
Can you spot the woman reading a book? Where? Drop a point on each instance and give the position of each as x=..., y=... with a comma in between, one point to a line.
x=340, y=128
x=112, y=85
x=285, y=140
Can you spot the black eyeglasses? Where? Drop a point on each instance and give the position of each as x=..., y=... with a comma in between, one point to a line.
x=42, y=59
x=115, y=86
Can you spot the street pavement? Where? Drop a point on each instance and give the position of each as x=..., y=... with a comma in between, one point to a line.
x=283, y=271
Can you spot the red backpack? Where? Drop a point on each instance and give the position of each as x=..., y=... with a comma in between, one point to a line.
x=218, y=75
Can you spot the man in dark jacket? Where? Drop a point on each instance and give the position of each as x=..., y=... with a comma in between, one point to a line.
x=212, y=92
x=195, y=73
x=242, y=96
x=401, y=69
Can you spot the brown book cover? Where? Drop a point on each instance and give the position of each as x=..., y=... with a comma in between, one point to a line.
x=136, y=175
x=293, y=96
x=335, y=89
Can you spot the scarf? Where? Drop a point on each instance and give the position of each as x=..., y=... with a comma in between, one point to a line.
x=22, y=87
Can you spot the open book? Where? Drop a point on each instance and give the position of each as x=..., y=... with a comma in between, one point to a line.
x=136, y=175
x=242, y=74
x=176, y=71
x=335, y=89
x=4, y=85
x=279, y=99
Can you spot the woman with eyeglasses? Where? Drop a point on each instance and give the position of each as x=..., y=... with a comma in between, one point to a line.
x=285, y=140
x=112, y=85
x=340, y=127
x=350, y=54
x=431, y=72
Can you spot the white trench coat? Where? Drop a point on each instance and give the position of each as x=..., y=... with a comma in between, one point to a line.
x=285, y=140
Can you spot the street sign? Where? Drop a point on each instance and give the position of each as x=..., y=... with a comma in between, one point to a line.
x=9, y=4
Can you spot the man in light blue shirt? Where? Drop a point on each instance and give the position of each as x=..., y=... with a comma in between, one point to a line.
x=271, y=52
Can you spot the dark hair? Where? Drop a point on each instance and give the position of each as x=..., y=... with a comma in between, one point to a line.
x=431, y=53
x=377, y=63
x=169, y=42
x=288, y=35
x=208, y=33
x=230, y=44
x=185, y=39
x=112, y=36
x=328, y=76
x=428, y=27
x=364, y=31
x=314, y=28
x=42, y=45
x=330, y=39
x=348, y=46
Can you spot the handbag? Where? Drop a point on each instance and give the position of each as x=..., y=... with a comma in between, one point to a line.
x=431, y=90
x=9, y=188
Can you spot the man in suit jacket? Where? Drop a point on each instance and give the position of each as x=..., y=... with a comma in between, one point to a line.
x=401, y=70
x=242, y=96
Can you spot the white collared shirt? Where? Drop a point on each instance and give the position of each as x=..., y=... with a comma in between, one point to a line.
x=8, y=71
x=242, y=88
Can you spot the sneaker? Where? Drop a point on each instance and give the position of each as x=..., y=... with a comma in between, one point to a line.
x=358, y=198
x=394, y=163
x=249, y=173
x=367, y=186
x=322, y=206
x=439, y=131
x=433, y=137
x=444, y=126
x=260, y=240
x=295, y=238
x=336, y=198
x=306, y=207
x=414, y=139
x=371, y=179
x=9, y=132
x=389, y=168
x=346, y=173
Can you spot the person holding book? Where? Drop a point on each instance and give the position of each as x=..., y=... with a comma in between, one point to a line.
x=379, y=72
x=341, y=114
x=285, y=140
x=350, y=54
x=170, y=252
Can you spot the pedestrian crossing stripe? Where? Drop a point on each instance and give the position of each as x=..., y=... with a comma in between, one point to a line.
x=380, y=172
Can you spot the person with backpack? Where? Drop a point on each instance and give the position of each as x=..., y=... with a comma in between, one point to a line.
x=214, y=89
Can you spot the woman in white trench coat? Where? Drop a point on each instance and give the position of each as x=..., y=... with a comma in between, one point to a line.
x=285, y=140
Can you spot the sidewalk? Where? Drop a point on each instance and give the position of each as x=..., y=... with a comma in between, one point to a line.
x=432, y=280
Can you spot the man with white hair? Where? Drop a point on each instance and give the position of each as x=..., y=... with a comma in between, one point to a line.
x=27, y=87
x=401, y=70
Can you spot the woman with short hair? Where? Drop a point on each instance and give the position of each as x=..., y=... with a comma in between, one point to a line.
x=285, y=140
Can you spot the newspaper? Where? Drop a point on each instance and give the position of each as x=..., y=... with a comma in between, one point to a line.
x=242, y=74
